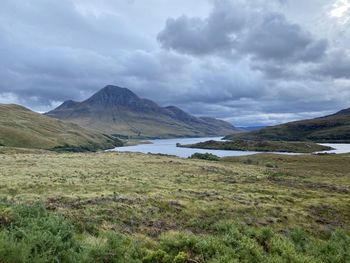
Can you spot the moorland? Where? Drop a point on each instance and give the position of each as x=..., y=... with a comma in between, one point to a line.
x=128, y=207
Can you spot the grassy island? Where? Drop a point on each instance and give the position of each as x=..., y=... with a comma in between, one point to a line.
x=260, y=146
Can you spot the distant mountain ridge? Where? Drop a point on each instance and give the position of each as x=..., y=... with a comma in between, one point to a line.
x=119, y=111
x=332, y=128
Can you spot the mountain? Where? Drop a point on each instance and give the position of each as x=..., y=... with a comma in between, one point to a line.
x=251, y=128
x=119, y=111
x=332, y=128
x=21, y=127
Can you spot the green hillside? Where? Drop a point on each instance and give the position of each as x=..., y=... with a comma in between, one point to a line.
x=332, y=128
x=20, y=127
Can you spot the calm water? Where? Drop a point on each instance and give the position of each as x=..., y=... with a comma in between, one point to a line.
x=339, y=148
x=169, y=147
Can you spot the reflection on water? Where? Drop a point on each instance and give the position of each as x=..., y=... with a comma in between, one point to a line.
x=168, y=146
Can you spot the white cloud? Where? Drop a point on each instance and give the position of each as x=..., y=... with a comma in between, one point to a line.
x=340, y=9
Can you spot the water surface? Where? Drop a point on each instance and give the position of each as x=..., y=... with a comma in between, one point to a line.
x=168, y=146
x=339, y=148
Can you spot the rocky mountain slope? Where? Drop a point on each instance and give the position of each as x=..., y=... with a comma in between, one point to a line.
x=119, y=111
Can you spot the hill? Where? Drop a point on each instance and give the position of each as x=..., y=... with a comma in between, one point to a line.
x=333, y=128
x=21, y=127
x=119, y=111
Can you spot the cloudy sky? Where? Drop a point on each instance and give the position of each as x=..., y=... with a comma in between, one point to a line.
x=251, y=62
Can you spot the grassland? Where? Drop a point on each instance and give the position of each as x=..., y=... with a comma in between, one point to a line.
x=127, y=207
x=260, y=146
x=21, y=127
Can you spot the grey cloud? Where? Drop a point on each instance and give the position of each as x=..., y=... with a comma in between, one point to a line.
x=204, y=36
x=337, y=64
x=237, y=60
x=234, y=26
x=59, y=23
x=275, y=38
x=190, y=35
x=51, y=52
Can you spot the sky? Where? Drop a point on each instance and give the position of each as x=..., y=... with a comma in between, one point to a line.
x=250, y=62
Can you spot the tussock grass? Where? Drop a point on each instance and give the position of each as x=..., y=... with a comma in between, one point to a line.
x=127, y=207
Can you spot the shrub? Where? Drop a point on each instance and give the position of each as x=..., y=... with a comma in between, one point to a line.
x=158, y=256
x=117, y=249
x=205, y=156
x=32, y=234
x=36, y=236
x=269, y=165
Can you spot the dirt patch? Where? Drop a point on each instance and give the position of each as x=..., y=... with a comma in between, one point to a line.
x=309, y=185
x=328, y=215
x=61, y=202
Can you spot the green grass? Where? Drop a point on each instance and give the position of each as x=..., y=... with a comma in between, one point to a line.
x=124, y=207
x=261, y=146
x=20, y=127
x=32, y=234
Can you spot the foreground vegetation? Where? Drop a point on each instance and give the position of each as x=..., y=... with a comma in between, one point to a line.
x=113, y=207
x=260, y=146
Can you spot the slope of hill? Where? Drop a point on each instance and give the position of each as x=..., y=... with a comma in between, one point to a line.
x=118, y=111
x=20, y=127
x=332, y=128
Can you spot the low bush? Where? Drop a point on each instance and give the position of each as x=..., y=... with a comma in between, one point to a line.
x=32, y=234
x=205, y=156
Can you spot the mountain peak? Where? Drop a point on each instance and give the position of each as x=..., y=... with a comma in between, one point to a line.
x=114, y=91
x=113, y=95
